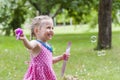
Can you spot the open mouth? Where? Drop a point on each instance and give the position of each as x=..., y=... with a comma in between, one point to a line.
x=50, y=35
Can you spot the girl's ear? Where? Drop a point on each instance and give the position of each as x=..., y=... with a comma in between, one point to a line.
x=36, y=30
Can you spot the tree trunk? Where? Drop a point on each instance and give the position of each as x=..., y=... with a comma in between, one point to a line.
x=104, y=21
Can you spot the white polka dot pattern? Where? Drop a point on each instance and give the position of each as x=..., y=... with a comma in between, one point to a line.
x=40, y=67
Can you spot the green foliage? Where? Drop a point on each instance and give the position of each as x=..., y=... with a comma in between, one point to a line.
x=44, y=8
x=79, y=9
x=116, y=7
x=14, y=13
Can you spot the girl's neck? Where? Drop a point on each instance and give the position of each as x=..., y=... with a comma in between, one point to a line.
x=42, y=40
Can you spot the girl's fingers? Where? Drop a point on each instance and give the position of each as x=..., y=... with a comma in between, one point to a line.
x=66, y=56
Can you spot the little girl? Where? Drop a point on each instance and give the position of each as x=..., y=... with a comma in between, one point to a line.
x=40, y=67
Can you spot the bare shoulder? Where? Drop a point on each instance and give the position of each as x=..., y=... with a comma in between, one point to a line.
x=34, y=43
x=35, y=51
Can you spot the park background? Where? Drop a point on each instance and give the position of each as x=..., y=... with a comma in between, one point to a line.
x=75, y=21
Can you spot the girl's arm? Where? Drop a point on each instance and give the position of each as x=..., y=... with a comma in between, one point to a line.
x=57, y=58
x=61, y=57
x=29, y=44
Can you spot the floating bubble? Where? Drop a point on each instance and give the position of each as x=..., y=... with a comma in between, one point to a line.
x=93, y=39
x=101, y=53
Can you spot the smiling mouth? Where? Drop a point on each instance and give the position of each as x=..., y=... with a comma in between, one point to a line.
x=50, y=35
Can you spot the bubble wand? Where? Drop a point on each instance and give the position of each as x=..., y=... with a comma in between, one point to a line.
x=65, y=61
x=18, y=32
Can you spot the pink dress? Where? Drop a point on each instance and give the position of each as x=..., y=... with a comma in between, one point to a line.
x=40, y=67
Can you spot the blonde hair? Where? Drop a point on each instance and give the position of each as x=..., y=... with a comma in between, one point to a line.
x=37, y=22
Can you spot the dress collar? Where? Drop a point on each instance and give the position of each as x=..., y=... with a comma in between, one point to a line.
x=46, y=45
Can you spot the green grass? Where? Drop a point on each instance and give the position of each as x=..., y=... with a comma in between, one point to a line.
x=84, y=63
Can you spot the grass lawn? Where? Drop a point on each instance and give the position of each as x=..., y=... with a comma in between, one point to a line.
x=84, y=63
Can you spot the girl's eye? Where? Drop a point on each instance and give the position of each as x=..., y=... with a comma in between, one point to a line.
x=50, y=28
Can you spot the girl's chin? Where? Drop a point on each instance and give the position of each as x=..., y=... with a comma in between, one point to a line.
x=49, y=38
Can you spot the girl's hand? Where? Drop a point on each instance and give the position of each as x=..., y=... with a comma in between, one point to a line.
x=19, y=34
x=66, y=56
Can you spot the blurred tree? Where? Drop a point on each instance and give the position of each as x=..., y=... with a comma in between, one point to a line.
x=80, y=10
x=46, y=7
x=115, y=9
x=105, y=18
x=14, y=12
x=77, y=9
x=104, y=21
x=12, y=15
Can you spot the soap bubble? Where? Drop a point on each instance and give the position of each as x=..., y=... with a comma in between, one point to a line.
x=93, y=39
x=101, y=53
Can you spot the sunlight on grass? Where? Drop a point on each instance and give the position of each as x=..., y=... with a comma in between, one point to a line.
x=75, y=29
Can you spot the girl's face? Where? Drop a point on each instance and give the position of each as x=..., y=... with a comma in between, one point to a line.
x=45, y=31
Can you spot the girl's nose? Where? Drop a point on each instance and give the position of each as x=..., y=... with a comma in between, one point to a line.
x=52, y=31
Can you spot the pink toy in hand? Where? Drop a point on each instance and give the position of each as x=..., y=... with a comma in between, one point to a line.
x=65, y=59
x=18, y=32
